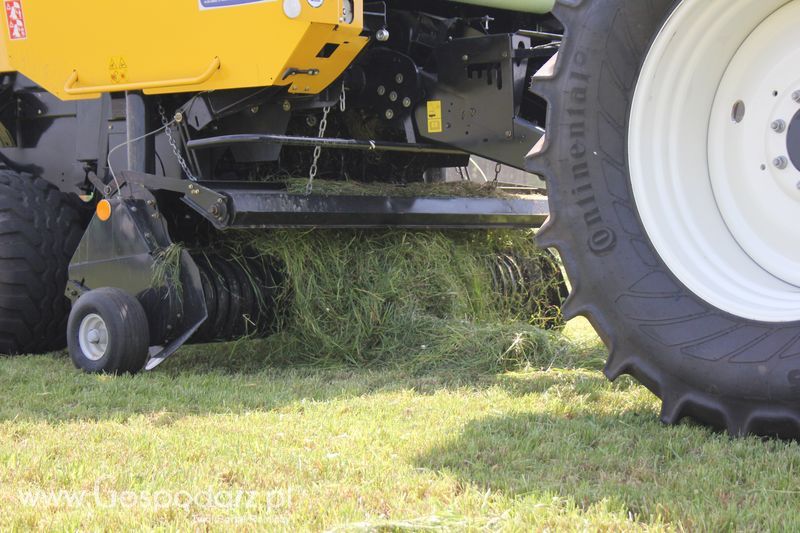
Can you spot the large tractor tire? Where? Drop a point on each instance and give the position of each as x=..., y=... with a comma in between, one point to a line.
x=40, y=228
x=673, y=160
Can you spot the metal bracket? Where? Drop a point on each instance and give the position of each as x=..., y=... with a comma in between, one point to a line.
x=75, y=290
x=209, y=203
x=299, y=71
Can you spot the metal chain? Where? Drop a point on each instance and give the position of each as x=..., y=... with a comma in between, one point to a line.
x=497, y=169
x=323, y=125
x=343, y=100
x=312, y=174
x=168, y=130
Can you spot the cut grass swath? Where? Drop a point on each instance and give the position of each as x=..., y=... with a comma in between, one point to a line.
x=419, y=299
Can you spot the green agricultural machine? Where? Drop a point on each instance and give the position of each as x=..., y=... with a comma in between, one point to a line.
x=668, y=133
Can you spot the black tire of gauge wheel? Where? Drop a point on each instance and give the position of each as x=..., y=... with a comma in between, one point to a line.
x=684, y=350
x=127, y=332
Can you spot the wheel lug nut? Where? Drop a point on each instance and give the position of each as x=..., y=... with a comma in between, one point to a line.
x=796, y=96
x=778, y=126
x=780, y=162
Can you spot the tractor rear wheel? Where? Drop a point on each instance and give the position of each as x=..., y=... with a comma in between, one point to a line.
x=673, y=160
x=40, y=228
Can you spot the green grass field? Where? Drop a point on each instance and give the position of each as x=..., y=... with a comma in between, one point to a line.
x=201, y=444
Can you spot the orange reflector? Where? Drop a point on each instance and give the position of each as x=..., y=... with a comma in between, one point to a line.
x=103, y=210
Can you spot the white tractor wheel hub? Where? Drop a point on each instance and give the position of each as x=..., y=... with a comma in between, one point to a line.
x=714, y=153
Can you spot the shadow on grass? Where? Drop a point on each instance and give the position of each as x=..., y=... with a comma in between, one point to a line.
x=203, y=381
x=686, y=475
x=528, y=453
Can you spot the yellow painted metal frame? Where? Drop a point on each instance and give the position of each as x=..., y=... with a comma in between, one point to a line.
x=80, y=49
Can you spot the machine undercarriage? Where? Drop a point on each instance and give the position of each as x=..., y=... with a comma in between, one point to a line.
x=433, y=87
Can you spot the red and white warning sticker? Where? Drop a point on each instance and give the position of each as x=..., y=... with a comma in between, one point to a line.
x=16, y=20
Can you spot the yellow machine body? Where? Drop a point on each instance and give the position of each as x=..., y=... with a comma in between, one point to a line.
x=81, y=49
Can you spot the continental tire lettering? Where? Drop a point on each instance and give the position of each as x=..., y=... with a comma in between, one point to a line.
x=602, y=239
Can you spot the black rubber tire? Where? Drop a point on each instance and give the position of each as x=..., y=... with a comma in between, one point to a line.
x=703, y=363
x=128, y=332
x=40, y=228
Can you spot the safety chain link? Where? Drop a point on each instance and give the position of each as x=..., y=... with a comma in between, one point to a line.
x=323, y=125
x=497, y=169
x=175, y=150
x=312, y=174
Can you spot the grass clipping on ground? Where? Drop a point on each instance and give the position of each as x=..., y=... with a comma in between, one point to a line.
x=418, y=299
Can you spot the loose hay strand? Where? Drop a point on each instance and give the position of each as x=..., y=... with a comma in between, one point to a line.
x=166, y=269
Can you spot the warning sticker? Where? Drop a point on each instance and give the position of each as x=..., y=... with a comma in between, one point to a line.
x=15, y=20
x=118, y=69
x=213, y=4
x=435, y=116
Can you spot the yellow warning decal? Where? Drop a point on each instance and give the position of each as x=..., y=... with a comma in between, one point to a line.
x=118, y=69
x=435, y=116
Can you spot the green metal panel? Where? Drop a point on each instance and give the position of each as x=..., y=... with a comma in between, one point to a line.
x=528, y=6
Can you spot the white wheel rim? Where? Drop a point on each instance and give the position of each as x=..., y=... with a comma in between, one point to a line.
x=704, y=155
x=93, y=337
